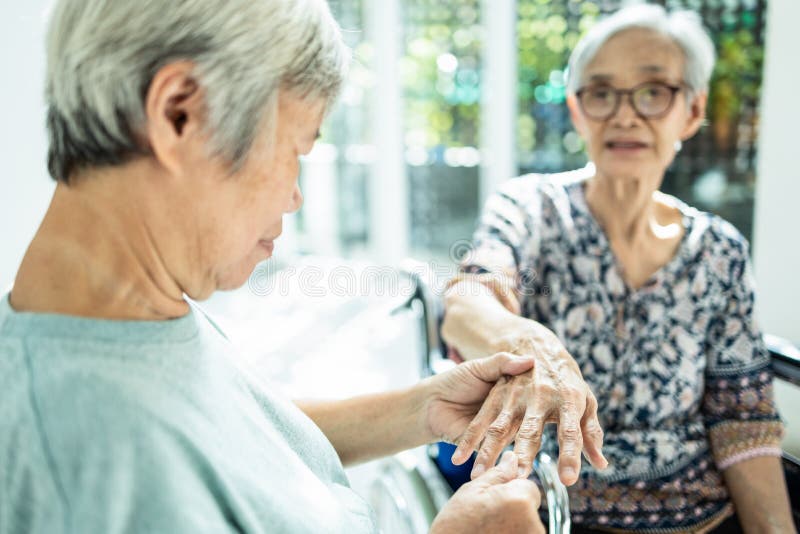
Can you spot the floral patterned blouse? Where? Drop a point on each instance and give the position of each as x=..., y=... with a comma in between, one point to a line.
x=681, y=374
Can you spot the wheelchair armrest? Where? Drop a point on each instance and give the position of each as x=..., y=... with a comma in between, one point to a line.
x=785, y=358
x=429, y=306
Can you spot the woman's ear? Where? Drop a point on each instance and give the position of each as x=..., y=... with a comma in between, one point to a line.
x=175, y=110
x=575, y=115
x=697, y=115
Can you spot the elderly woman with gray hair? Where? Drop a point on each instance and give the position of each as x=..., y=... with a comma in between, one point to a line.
x=175, y=130
x=652, y=297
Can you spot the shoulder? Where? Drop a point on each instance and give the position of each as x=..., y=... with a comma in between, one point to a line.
x=718, y=244
x=534, y=187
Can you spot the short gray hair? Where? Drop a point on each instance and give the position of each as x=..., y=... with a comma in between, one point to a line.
x=683, y=27
x=103, y=54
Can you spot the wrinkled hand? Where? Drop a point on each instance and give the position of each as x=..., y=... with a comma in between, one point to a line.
x=476, y=416
x=496, y=501
x=518, y=408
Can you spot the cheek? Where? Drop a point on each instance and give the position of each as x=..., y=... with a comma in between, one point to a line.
x=668, y=134
x=593, y=138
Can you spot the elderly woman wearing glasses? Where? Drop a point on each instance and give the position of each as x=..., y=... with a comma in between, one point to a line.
x=653, y=298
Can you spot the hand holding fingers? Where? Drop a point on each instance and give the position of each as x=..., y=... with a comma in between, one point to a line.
x=472, y=436
x=493, y=502
x=497, y=436
x=503, y=472
x=513, y=393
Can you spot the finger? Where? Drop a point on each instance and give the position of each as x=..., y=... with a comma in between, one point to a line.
x=503, y=472
x=593, y=434
x=526, y=489
x=497, y=436
x=529, y=440
x=570, y=443
x=473, y=434
x=503, y=363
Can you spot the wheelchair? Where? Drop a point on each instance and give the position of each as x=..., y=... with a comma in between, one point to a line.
x=414, y=485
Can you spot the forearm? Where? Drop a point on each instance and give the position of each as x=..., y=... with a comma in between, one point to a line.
x=370, y=426
x=475, y=322
x=758, y=490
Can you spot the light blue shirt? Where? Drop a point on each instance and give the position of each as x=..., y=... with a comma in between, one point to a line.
x=149, y=427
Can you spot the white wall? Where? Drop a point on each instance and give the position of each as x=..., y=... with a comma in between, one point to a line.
x=25, y=188
x=776, y=237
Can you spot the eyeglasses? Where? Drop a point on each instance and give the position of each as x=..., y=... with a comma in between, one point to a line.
x=650, y=100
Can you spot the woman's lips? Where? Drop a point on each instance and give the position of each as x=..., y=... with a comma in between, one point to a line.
x=625, y=146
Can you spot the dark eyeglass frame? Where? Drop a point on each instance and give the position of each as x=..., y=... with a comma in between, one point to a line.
x=619, y=93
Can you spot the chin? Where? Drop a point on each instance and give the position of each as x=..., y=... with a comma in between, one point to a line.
x=624, y=171
x=235, y=277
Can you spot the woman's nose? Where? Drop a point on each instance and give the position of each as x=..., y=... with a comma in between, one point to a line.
x=296, y=201
x=625, y=114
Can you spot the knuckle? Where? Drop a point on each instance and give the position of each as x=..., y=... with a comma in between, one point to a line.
x=545, y=389
x=503, y=420
x=576, y=394
x=530, y=429
x=596, y=434
x=495, y=433
x=569, y=433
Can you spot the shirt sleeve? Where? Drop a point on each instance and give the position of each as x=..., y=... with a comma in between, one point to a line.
x=500, y=242
x=738, y=404
x=501, y=235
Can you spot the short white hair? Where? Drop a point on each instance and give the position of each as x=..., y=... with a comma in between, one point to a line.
x=684, y=28
x=102, y=56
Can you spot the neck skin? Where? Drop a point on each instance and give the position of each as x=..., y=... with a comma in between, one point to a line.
x=629, y=211
x=95, y=253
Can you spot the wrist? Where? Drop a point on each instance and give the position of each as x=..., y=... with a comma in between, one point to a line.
x=420, y=397
x=521, y=336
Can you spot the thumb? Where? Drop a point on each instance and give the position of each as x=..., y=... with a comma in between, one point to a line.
x=503, y=472
x=503, y=363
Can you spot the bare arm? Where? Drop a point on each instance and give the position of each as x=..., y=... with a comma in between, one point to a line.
x=368, y=427
x=759, y=493
x=440, y=407
x=477, y=324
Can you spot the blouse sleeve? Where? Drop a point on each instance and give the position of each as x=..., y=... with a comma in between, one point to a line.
x=495, y=254
x=738, y=404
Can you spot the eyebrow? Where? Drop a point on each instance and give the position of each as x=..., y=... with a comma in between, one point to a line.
x=648, y=69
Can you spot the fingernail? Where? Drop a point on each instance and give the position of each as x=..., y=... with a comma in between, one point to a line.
x=522, y=473
x=478, y=470
x=569, y=472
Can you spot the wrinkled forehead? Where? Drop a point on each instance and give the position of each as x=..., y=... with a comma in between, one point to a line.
x=634, y=56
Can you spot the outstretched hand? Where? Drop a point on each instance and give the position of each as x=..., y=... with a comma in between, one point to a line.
x=487, y=403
